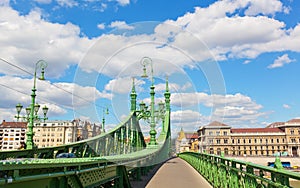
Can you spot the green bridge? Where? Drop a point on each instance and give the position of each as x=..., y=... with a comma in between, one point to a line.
x=114, y=158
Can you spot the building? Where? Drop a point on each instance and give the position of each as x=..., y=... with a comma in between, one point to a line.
x=46, y=134
x=292, y=132
x=54, y=133
x=186, y=142
x=280, y=138
x=12, y=135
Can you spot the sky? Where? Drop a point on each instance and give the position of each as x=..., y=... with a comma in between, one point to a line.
x=235, y=61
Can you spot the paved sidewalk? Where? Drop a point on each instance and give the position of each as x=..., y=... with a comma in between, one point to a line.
x=177, y=173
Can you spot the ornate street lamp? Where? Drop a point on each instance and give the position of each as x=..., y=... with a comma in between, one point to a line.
x=105, y=111
x=32, y=110
x=152, y=113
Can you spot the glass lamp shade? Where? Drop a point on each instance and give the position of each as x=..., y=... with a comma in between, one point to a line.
x=144, y=72
x=19, y=107
x=28, y=109
x=45, y=109
x=161, y=106
x=42, y=74
x=36, y=108
x=142, y=106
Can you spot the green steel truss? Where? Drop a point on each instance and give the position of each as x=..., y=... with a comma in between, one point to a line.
x=106, y=160
x=224, y=172
x=125, y=138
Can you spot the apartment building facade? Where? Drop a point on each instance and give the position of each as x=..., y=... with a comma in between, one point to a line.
x=12, y=135
x=46, y=134
x=54, y=133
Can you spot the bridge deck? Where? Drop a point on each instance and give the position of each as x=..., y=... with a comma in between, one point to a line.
x=177, y=173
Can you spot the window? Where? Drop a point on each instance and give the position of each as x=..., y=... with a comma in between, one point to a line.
x=210, y=133
x=225, y=141
x=249, y=141
x=226, y=151
x=232, y=141
x=218, y=141
x=218, y=133
x=225, y=133
x=292, y=131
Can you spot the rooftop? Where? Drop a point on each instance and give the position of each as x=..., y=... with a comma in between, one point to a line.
x=5, y=124
x=296, y=120
x=256, y=130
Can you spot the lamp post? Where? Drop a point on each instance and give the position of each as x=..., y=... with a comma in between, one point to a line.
x=144, y=112
x=32, y=110
x=105, y=111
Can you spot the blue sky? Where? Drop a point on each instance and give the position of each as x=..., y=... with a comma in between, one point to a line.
x=231, y=61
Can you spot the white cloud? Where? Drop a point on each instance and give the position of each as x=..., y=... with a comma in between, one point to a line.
x=236, y=35
x=58, y=96
x=43, y=1
x=120, y=25
x=265, y=7
x=26, y=39
x=65, y=45
x=286, y=106
x=234, y=109
x=120, y=85
x=123, y=2
x=4, y=3
x=246, y=62
x=67, y=3
x=188, y=119
x=281, y=61
x=101, y=26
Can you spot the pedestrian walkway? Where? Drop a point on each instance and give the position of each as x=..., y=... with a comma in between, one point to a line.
x=177, y=173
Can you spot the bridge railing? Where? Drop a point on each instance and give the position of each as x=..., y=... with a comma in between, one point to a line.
x=230, y=173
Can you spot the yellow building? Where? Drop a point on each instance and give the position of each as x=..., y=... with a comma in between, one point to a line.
x=280, y=138
x=54, y=133
x=186, y=142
